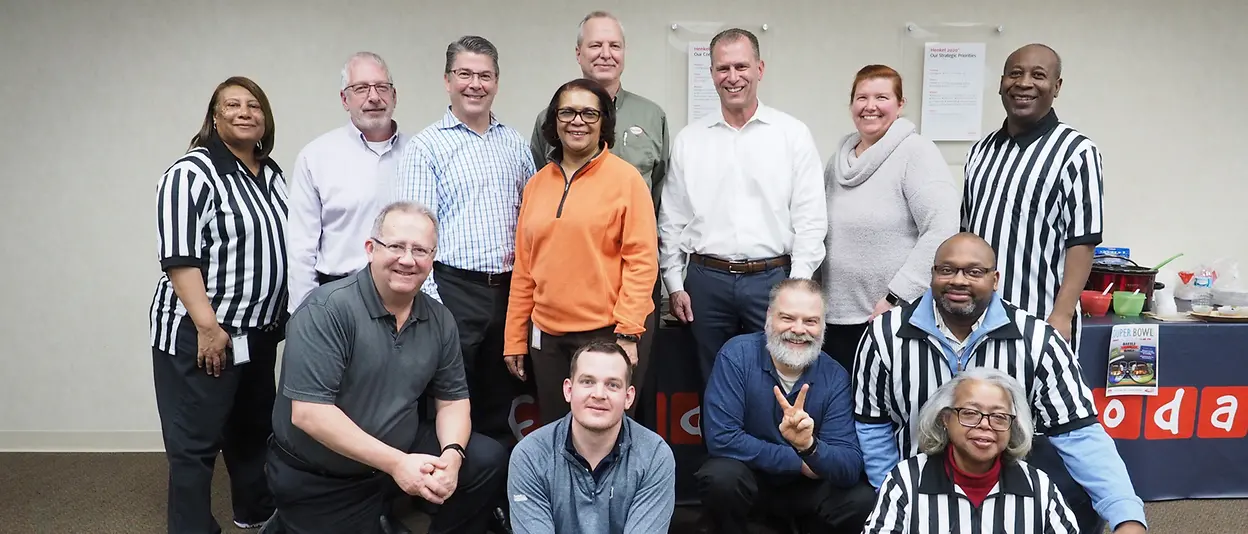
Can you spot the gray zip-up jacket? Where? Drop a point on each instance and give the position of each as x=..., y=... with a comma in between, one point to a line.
x=552, y=489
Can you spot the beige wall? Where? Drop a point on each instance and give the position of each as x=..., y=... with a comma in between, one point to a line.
x=99, y=97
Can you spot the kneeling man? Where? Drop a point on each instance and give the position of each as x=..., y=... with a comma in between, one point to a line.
x=778, y=423
x=347, y=436
x=595, y=470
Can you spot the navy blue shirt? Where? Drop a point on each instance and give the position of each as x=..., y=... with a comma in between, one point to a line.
x=741, y=418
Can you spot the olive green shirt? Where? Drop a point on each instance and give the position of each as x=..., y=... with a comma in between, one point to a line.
x=641, y=139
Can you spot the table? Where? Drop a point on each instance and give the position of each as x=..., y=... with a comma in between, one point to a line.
x=1186, y=442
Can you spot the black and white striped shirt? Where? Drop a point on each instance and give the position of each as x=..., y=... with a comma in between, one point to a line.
x=212, y=213
x=902, y=360
x=920, y=497
x=1032, y=197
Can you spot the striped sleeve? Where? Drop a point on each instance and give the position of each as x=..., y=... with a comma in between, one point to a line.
x=1059, y=518
x=417, y=181
x=889, y=515
x=183, y=209
x=871, y=375
x=1060, y=398
x=965, y=211
x=1083, y=210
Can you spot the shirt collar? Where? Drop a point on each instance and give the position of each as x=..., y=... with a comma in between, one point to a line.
x=450, y=121
x=359, y=134
x=934, y=479
x=919, y=319
x=761, y=114
x=225, y=162
x=372, y=299
x=1043, y=126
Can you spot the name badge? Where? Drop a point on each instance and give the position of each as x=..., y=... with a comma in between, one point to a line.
x=241, y=355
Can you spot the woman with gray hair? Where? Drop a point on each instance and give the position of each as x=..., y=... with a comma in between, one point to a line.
x=970, y=476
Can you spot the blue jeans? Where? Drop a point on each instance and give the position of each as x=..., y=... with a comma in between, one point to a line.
x=726, y=305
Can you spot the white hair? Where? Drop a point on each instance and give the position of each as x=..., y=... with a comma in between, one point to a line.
x=580, y=28
x=362, y=56
x=933, y=436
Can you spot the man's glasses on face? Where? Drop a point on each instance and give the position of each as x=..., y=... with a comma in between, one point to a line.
x=465, y=75
x=949, y=271
x=362, y=89
x=417, y=251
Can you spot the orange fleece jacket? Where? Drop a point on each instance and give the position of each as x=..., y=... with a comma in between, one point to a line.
x=587, y=255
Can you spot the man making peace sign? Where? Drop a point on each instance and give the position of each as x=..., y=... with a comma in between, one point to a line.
x=772, y=457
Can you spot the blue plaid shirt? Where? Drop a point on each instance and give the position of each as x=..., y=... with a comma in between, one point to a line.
x=473, y=183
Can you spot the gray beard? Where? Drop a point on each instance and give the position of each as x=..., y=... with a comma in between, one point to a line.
x=974, y=308
x=789, y=356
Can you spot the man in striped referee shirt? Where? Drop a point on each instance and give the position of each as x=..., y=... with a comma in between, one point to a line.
x=1033, y=191
x=962, y=322
x=470, y=170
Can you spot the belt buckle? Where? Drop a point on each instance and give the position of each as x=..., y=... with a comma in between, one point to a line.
x=737, y=267
x=489, y=280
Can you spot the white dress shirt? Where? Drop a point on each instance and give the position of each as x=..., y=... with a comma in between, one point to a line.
x=743, y=194
x=339, y=185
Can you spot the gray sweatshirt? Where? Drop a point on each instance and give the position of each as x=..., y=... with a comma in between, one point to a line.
x=551, y=491
x=888, y=211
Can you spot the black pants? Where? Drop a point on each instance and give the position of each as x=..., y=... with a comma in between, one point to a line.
x=840, y=341
x=645, y=347
x=314, y=502
x=551, y=365
x=201, y=415
x=480, y=312
x=725, y=305
x=731, y=492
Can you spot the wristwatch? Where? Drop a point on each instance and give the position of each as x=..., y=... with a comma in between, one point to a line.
x=457, y=448
x=628, y=337
x=806, y=453
x=893, y=299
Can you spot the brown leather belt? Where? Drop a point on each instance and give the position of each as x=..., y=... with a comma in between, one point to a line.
x=740, y=267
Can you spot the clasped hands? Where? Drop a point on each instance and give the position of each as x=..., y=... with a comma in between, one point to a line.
x=432, y=478
x=796, y=426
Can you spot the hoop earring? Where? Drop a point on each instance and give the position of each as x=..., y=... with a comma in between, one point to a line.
x=259, y=145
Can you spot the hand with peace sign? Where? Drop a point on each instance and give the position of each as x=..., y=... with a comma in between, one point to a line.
x=796, y=426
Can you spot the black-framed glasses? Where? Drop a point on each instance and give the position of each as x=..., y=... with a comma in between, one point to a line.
x=949, y=271
x=587, y=115
x=362, y=89
x=417, y=251
x=467, y=74
x=970, y=418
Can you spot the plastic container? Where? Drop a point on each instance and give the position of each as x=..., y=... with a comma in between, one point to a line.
x=1128, y=304
x=1094, y=303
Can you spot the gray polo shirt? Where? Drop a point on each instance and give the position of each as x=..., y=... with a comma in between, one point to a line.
x=342, y=348
x=641, y=138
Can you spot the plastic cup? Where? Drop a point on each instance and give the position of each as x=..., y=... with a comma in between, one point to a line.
x=1128, y=304
x=1094, y=303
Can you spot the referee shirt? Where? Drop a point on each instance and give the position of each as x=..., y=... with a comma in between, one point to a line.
x=1031, y=197
x=212, y=213
x=473, y=183
x=919, y=497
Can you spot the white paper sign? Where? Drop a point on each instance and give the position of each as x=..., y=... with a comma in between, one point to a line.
x=241, y=353
x=953, y=91
x=703, y=100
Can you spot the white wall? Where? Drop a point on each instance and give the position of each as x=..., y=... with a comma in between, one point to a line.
x=99, y=97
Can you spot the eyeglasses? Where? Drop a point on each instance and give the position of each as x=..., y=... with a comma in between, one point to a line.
x=418, y=252
x=949, y=271
x=362, y=89
x=970, y=418
x=587, y=115
x=467, y=74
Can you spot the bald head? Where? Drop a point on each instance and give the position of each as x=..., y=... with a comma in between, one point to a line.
x=1043, y=52
x=964, y=277
x=967, y=244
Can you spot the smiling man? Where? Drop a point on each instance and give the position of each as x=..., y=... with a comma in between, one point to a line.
x=744, y=205
x=342, y=179
x=595, y=470
x=1033, y=190
x=470, y=169
x=778, y=424
x=962, y=323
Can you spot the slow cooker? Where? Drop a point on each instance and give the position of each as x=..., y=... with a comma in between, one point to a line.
x=1124, y=277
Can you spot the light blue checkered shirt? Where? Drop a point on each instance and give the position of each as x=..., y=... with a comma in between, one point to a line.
x=473, y=183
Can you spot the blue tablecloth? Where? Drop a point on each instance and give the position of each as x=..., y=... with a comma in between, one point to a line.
x=1205, y=365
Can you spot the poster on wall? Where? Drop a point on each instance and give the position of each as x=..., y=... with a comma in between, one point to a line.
x=953, y=91
x=703, y=100
x=1133, y=360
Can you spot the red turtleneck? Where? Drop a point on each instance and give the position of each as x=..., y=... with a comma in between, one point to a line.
x=975, y=486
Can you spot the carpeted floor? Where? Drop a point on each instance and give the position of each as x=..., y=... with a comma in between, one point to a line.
x=125, y=493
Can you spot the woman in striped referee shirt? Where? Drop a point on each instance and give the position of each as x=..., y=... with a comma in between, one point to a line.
x=217, y=312
x=970, y=477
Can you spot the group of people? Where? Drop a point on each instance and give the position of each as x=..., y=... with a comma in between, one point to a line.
x=843, y=324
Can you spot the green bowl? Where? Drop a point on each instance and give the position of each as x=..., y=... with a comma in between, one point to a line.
x=1128, y=304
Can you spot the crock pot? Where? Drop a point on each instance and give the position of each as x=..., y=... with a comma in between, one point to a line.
x=1124, y=277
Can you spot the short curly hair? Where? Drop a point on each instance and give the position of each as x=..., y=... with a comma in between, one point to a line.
x=550, y=125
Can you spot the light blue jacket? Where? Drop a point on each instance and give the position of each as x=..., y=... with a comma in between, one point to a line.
x=552, y=491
